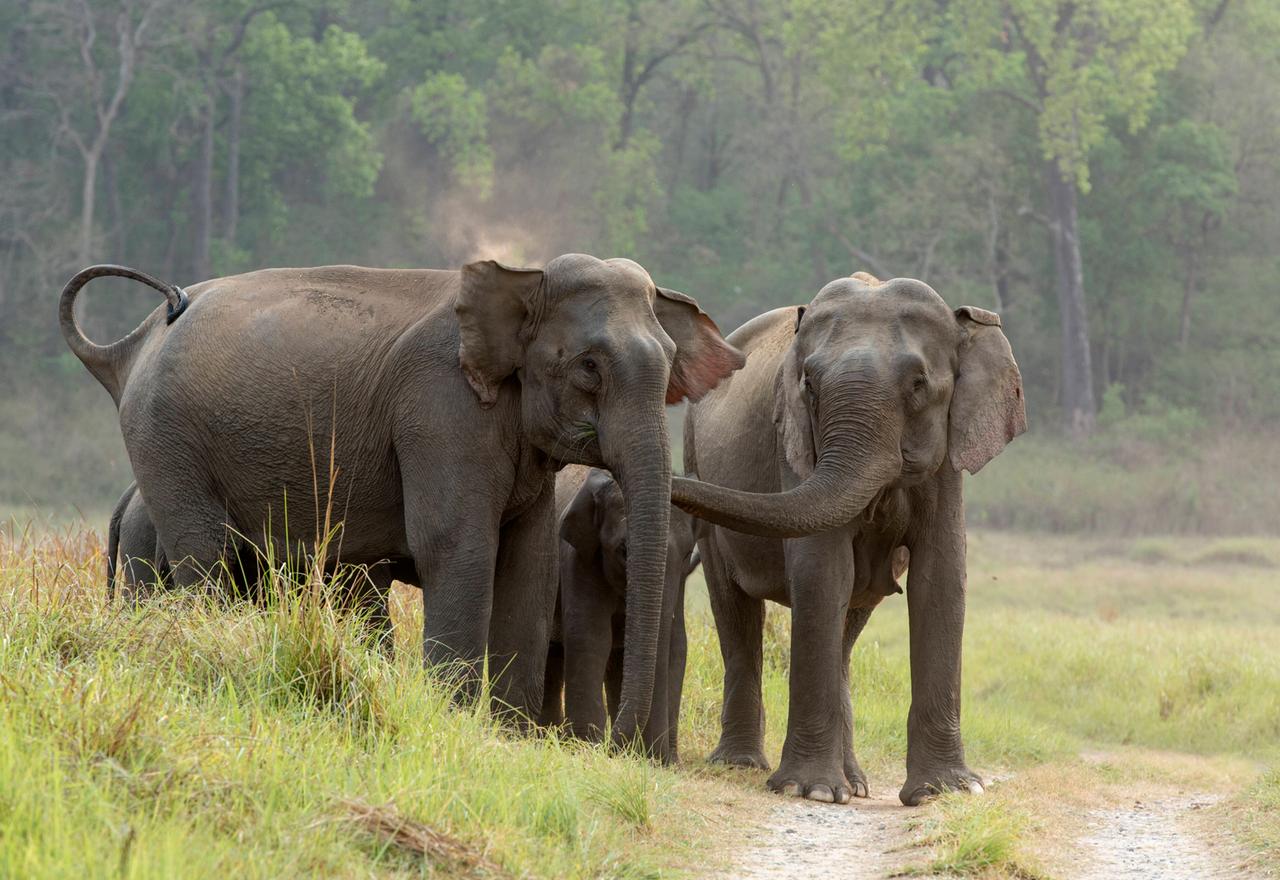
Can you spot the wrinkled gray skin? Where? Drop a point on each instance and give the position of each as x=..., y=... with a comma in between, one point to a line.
x=427, y=411
x=131, y=538
x=860, y=410
x=588, y=642
x=137, y=568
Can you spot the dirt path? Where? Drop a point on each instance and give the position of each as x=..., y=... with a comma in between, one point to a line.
x=801, y=839
x=1152, y=838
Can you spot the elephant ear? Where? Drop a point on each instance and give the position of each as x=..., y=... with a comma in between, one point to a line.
x=579, y=525
x=703, y=359
x=791, y=414
x=987, y=406
x=495, y=307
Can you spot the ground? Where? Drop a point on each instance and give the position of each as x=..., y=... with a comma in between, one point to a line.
x=1122, y=697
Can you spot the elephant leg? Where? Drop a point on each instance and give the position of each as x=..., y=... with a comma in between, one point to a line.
x=613, y=672
x=740, y=626
x=675, y=681
x=368, y=596
x=853, y=625
x=935, y=605
x=588, y=645
x=552, y=714
x=454, y=557
x=820, y=578
x=192, y=531
x=524, y=600
x=657, y=730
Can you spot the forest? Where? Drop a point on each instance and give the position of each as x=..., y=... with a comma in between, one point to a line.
x=1103, y=173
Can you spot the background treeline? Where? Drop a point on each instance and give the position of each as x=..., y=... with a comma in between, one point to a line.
x=1104, y=173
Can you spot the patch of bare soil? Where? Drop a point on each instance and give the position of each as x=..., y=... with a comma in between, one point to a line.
x=1155, y=837
x=865, y=840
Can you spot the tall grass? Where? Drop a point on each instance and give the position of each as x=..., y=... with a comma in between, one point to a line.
x=191, y=738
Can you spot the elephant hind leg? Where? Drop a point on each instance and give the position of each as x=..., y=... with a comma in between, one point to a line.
x=740, y=626
x=853, y=627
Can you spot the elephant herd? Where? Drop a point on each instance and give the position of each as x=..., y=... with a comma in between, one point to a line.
x=497, y=436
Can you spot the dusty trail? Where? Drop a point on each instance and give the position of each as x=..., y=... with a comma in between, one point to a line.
x=1151, y=838
x=803, y=839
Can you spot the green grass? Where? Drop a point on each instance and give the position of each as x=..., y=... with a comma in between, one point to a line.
x=194, y=739
x=977, y=837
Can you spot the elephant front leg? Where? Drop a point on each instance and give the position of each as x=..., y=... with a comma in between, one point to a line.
x=524, y=598
x=739, y=622
x=455, y=563
x=935, y=602
x=588, y=643
x=820, y=581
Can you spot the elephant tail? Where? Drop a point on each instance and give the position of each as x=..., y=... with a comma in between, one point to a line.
x=113, y=538
x=103, y=361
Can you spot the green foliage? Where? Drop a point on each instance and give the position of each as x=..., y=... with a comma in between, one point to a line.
x=455, y=117
x=745, y=152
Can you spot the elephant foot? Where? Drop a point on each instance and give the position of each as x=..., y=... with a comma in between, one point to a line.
x=857, y=779
x=739, y=757
x=813, y=782
x=923, y=786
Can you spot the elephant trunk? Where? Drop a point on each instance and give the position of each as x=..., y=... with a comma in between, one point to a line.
x=858, y=458
x=638, y=452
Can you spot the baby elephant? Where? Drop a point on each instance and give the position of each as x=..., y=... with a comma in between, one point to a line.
x=132, y=538
x=587, y=648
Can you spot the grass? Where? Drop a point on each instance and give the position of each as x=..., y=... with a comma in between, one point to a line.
x=195, y=739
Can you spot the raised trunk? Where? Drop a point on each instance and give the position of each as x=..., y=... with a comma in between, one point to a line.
x=844, y=481
x=639, y=454
x=1077, y=373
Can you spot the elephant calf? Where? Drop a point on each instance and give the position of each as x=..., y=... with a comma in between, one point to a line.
x=586, y=654
x=131, y=538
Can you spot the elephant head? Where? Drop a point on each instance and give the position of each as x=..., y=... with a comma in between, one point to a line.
x=882, y=385
x=597, y=350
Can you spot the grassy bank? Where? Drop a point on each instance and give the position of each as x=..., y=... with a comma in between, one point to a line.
x=188, y=740
x=196, y=740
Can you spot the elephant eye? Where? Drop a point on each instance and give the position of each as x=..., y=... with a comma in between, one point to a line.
x=589, y=364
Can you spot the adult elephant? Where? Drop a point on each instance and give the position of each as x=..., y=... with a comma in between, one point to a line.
x=426, y=411
x=846, y=432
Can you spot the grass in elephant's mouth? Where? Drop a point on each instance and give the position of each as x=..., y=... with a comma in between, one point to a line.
x=188, y=739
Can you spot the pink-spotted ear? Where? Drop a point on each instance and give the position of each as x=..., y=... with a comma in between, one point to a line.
x=987, y=406
x=703, y=359
x=494, y=303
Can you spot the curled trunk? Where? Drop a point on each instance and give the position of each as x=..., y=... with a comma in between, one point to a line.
x=855, y=464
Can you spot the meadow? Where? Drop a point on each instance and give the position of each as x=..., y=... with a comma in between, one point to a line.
x=192, y=739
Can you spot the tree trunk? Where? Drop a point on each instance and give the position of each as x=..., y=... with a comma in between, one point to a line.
x=1077, y=374
x=202, y=222
x=231, y=208
x=88, y=192
x=111, y=179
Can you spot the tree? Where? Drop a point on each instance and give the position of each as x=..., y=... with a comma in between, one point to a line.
x=1074, y=64
x=88, y=101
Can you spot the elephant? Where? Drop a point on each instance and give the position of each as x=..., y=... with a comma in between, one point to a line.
x=415, y=417
x=131, y=538
x=586, y=655
x=841, y=442
x=134, y=556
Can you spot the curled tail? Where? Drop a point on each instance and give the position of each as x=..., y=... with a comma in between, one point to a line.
x=100, y=359
x=113, y=538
